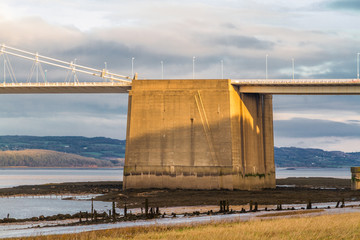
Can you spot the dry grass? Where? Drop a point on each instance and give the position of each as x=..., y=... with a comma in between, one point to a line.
x=292, y=213
x=344, y=226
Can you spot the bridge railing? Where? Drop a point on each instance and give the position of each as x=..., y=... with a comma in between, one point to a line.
x=295, y=81
x=64, y=84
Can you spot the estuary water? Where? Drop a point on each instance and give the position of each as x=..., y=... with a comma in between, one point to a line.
x=10, y=177
x=344, y=173
x=34, y=206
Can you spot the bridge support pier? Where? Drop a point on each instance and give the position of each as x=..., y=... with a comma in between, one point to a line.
x=198, y=134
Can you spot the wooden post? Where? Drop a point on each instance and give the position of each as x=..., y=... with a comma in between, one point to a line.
x=92, y=209
x=309, y=205
x=125, y=210
x=113, y=212
x=146, y=207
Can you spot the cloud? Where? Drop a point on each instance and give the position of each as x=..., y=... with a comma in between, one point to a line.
x=44, y=105
x=68, y=125
x=312, y=104
x=244, y=42
x=241, y=37
x=313, y=128
x=64, y=114
x=353, y=5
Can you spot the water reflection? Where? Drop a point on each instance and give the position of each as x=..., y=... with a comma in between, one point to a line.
x=313, y=172
x=27, y=207
x=10, y=177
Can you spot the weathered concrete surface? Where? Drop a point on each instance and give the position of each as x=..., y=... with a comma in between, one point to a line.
x=355, y=178
x=198, y=134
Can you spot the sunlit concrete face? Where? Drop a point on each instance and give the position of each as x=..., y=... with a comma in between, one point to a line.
x=198, y=134
x=355, y=178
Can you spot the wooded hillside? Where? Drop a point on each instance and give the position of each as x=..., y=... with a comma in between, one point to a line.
x=47, y=158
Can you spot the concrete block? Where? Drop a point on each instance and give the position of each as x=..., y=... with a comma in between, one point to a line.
x=198, y=134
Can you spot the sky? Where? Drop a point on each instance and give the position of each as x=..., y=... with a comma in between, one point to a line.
x=322, y=36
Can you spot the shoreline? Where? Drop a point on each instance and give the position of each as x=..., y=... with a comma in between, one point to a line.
x=184, y=205
x=288, y=190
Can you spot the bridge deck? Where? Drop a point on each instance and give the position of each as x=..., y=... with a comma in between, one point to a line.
x=265, y=86
x=298, y=86
x=71, y=87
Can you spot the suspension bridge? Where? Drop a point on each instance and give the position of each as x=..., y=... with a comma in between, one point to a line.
x=195, y=133
x=108, y=82
x=37, y=80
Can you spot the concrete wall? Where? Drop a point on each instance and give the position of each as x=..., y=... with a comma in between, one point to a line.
x=198, y=134
x=355, y=178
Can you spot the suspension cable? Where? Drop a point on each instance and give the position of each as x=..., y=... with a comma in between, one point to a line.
x=104, y=73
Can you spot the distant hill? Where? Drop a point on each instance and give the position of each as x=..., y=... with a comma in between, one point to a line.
x=309, y=157
x=113, y=151
x=98, y=147
x=46, y=158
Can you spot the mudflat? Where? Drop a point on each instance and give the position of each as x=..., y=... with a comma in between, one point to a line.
x=289, y=190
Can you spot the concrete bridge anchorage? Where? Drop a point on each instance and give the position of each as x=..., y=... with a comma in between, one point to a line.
x=198, y=134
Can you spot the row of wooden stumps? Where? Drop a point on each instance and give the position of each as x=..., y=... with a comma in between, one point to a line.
x=253, y=206
x=224, y=207
x=150, y=212
x=112, y=215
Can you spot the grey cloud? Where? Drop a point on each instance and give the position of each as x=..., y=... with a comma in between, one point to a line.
x=354, y=121
x=70, y=125
x=312, y=128
x=82, y=115
x=313, y=103
x=244, y=42
x=345, y=4
x=67, y=43
x=229, y=25
x=44, y=106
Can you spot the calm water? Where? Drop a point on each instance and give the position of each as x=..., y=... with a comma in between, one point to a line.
x=45, y=205
x=30, y=176
x=51, y=205
x=314, y=172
